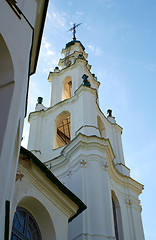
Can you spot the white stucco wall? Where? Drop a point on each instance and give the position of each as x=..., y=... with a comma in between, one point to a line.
x=16, y=36
x=49, y=202
x=91, y=165
x=84, y=111
x=87, y=168
x=52, y=221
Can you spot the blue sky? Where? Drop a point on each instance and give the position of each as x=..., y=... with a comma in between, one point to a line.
x=120, y=38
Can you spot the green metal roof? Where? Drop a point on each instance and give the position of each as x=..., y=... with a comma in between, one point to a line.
x=73, y=42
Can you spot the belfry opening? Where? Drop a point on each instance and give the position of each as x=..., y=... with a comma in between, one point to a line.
x=67, y=88
x=62, y=130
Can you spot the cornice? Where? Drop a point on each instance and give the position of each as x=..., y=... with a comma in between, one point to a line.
x=64, y=102
x=72, y=99
x=74, y=65
x=110, y=123
x=71, y=45
x=74, y=54
x=92, y=142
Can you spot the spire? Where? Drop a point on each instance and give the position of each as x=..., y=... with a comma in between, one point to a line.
x=74, y=30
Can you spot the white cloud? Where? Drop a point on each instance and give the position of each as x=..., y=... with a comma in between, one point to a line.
x=49, y=57
x=147, y=65
x=91, y=47
x=57, y=19
x=70, y=3
x=108, y=3
x=80, y=13
x=46, y=48
x=151, y=66
x=96, y=50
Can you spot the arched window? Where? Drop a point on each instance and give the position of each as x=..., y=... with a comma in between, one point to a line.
x=62, y=130
x=101, y=127
x=117, y=217
x=24, y=226
x=115, y=220
x=67, y=88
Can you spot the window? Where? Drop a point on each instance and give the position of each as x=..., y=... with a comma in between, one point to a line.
x=118, y=228
x=24, y=226
x=67, y=88
x=115, y=220
x=62, y=130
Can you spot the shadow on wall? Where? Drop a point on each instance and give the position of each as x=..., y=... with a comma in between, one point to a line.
x=101, y=127
x=6, y=86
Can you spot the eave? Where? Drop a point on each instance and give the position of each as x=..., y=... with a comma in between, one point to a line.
x=50, y=176
x=38, y=32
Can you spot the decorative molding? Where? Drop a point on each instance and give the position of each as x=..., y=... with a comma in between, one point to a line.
x=83, y=163
x=104, y=165
x=36, y=151
x=140, y=208
x=26, y=162
x=15, y=8
x=69, y=174
x=19, y=176
x=128, y=202
x=84, y=126
x=92, y=142
x=101, y=236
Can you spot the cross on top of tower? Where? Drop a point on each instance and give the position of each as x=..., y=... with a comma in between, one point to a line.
x=74, y=29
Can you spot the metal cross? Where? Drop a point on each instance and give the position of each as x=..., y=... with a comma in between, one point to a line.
x=74, y=29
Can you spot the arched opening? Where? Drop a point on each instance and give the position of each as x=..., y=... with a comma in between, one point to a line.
x=117, y=217
x=67, y=88
x=6, y=86
x=24, y=226
x=101, y=127
x=40, y=214
x=62, y=130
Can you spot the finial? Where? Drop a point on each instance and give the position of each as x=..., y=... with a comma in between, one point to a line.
x=85, y=80
x=56, y=69
x=39, y=100
x=74, y=30
x=109, y=113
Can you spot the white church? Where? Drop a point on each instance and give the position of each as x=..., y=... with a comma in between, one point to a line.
x=72, y=182
x=83, y=148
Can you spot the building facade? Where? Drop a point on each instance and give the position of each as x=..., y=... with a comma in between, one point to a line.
x=42, y=206
x=83, y=148
x=21, y=27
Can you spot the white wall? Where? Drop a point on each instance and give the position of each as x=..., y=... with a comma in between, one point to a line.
x=15, y=42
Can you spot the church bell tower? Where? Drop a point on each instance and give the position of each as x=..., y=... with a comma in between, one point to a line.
x=83, y=148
